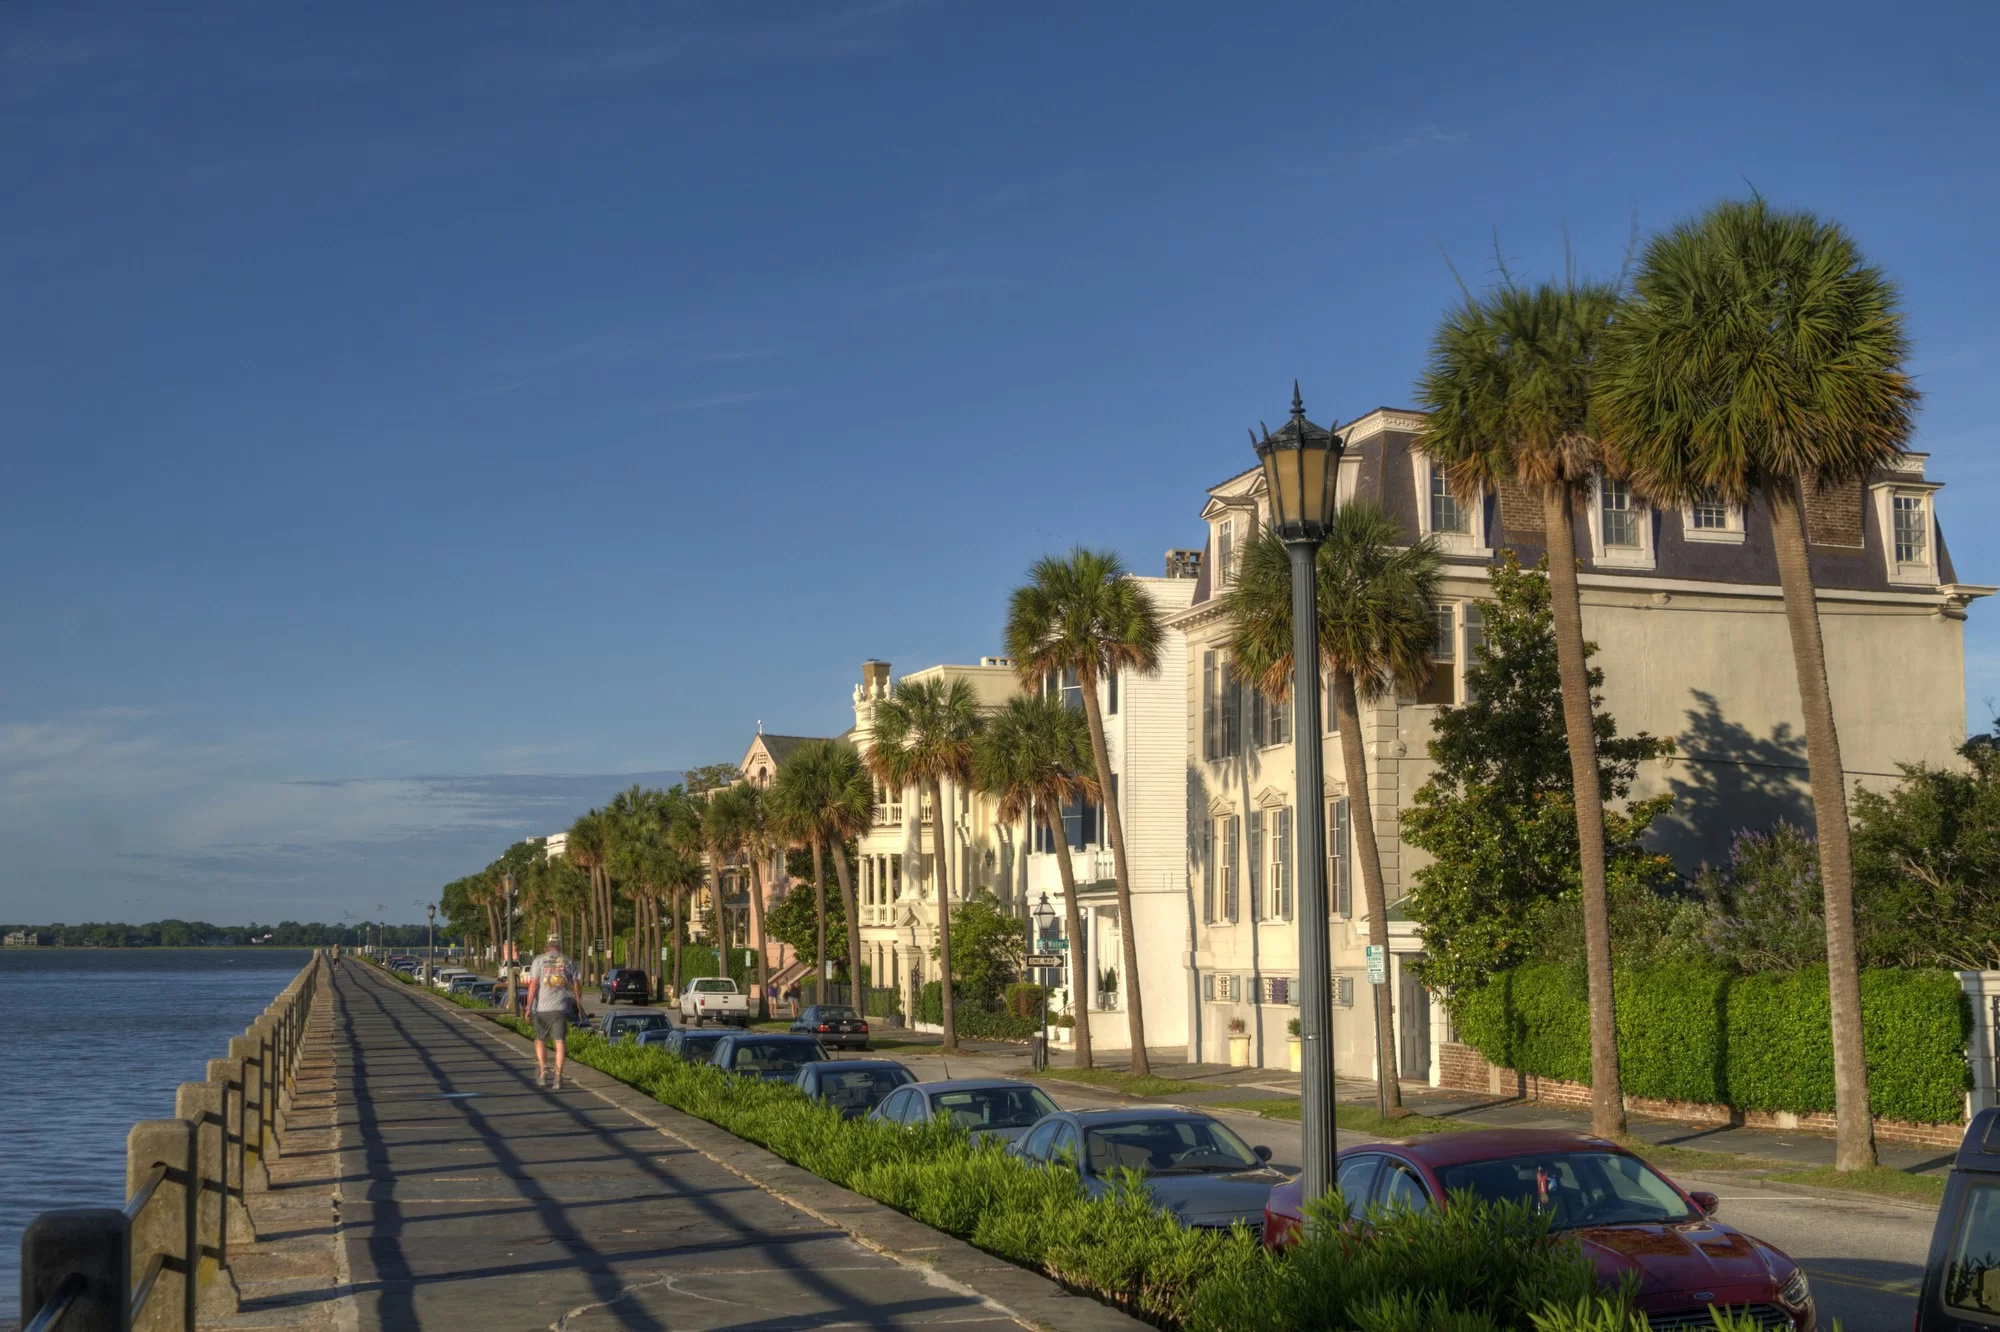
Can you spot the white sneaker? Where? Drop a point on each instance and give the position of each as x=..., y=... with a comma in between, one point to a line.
x=541, y=1078
x=558, y=1085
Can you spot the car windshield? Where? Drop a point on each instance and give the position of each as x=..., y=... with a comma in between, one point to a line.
x=699, y=1047
x=992, y=1107
x=1167, y=1147
x=1575, y=1188
x=833, y=1013
x=772, y=1056
x=861, y=1087
x=642, y=1022
x=715, y=987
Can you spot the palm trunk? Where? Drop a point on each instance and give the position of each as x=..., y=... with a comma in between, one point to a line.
x=943, y=886
x=757, y=932
x=849, y=905
x=1607, y=1097
x=678, y=894
x=721, y=922
x=819, y=909
x=1135, y=1015
x=1073, y=923
x=1854, y=1127
x=1361, y=821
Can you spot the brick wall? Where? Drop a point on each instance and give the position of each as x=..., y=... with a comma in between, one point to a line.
x=1521, y=511
x=1833, y=515
x=1462, y=1068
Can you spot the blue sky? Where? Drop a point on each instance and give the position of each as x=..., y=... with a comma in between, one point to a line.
x=417, y=417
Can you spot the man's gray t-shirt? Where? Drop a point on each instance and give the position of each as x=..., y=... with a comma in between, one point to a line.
x=556, y=981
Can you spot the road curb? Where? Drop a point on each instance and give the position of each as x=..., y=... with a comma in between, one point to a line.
x=1028, y=1297
x=1735, y=1180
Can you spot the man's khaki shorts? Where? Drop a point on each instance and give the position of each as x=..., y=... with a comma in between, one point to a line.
x=552, y=1026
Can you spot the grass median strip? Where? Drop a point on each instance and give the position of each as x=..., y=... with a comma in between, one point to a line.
x=1132, y=1084
x=1880, y=1180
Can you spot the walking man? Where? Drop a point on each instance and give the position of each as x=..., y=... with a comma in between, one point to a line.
x=552, y=1001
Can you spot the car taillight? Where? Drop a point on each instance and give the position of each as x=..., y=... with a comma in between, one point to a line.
x=822, y=1027
x=864, y=1029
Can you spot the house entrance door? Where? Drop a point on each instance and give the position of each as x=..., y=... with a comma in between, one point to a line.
x=1413, y=1015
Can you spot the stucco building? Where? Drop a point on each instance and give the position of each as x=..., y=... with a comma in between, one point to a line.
x=1685, y=609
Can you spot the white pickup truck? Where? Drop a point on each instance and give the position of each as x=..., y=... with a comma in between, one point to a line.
x=715, y=999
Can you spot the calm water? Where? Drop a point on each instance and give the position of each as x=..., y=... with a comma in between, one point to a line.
x=98, y=1038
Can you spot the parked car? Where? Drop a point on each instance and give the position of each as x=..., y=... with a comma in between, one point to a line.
x=616, y=1026
x=442, y=978
x=837, y=1026
x=767, y=1056
x=1630, y=1218
x=1961, y=1287
x=688, y=1043
x=853, y=1086
x=488, y=992
x=625, y=983
x=990, y=1109
x=462, y=982
x=1195, y=1166
x=715, y=999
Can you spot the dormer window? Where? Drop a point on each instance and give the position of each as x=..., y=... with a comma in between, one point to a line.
x=1912, y=529
x=1621, y=526
x=1447, y=514
x=1621, y=518
x=1905, y=513
x=1225, y=551
x=1710, y=514
x=1712, y=518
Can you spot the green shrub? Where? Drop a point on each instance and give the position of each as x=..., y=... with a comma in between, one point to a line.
x=1759, y=1042
x=977, y=1023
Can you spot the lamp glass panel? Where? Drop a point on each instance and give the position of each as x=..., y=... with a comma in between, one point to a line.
x=1313, y=508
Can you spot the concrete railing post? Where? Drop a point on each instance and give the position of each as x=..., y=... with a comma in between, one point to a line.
x=91, y=1244
x=246, y=1049
x=164, y=1247
x=201, y=1104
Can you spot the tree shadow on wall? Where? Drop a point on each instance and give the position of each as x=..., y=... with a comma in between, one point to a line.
x=1725, y=779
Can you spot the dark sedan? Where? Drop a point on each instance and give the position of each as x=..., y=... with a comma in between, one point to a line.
x=1631, y=1219
x=853, y=1086
x=625, y=983
x=766, y=1056
x=616, y=1026
x=1194, y=1166
x=990, y=1109
x=836, y=1026
x=689, y=1043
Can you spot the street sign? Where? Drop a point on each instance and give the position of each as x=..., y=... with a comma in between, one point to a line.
x=1056, y=945
x=1378, y=964
x=1050, y=960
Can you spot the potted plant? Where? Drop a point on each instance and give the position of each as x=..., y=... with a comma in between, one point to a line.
x=1239, y=1044
x=1292, y=1044
x=1107, y=987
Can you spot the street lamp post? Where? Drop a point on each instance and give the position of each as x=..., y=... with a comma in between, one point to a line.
x=430, y=942
x=507, y=948
x=1301, y=473
x=1044, y=914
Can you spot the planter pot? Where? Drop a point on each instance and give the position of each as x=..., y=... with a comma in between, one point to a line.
x=1292, y=1053
x=1239, y=1052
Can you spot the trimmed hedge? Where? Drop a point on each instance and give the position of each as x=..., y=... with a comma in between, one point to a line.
x=977, y=1023
x=1761, y=1042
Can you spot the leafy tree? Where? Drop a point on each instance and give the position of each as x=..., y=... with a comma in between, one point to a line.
x=824, y=797
x=1761, y=355
x=1497, y=815
x=795, y=919
x=1035, y=757
x=710, y=777
x=924, y=734
x=1767, y=911
x=742, y=829
x=1377, y=618
x=1927, y=865
x=988, y=949
x=1083, y=614
x=1508, y=394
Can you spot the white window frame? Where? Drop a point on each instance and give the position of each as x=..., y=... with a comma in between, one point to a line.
x=1918, y=573
x=1640, y=556
x=1729, y=534
x=1226, y=556
x=1472, y=541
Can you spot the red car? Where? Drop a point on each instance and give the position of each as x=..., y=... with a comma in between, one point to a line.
x=1629, y=1217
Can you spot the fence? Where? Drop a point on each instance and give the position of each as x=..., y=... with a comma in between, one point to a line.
x=162, y=1258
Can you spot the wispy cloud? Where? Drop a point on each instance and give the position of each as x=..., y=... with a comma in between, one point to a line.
x=1417, y=140
x=673, y=406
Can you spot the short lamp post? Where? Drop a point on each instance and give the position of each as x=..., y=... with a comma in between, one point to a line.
x=1044, y=915
x=430, y=941
x=1301, y=475
x=507, y=947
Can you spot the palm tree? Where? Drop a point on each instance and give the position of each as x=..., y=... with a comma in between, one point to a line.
x=924, y=733
x=1085, y=616
x=685, y=836
x=588, y=838
x=745, y=828
x=1035, y=757
x=722, y=841
x=825, y=795
x=1761, y=354
x=1508, y=390
x=1377, y=621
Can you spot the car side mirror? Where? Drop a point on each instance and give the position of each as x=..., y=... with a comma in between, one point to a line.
x=1262, y=1153
x=1707, y=1202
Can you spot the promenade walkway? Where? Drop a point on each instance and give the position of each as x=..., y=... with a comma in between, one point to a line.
x=470, y=1199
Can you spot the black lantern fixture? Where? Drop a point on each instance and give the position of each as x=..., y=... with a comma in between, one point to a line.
x=1301, y=479
x=1044, y=915
x=1301, y=475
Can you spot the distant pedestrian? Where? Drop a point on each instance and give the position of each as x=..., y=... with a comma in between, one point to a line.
x=552, y=1000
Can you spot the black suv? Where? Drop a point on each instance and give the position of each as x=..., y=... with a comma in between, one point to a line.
x=1962, y=1277
x=625, y=983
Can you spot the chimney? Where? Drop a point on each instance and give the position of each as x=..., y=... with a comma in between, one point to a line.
x=1183, y=564
x=875, y=679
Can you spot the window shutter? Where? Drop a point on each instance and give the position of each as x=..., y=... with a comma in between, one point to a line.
x=1209, y=749
x=1255, y=867
x=1208, y=871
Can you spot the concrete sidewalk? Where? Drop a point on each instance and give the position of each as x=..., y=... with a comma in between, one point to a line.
x=473, y=1199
